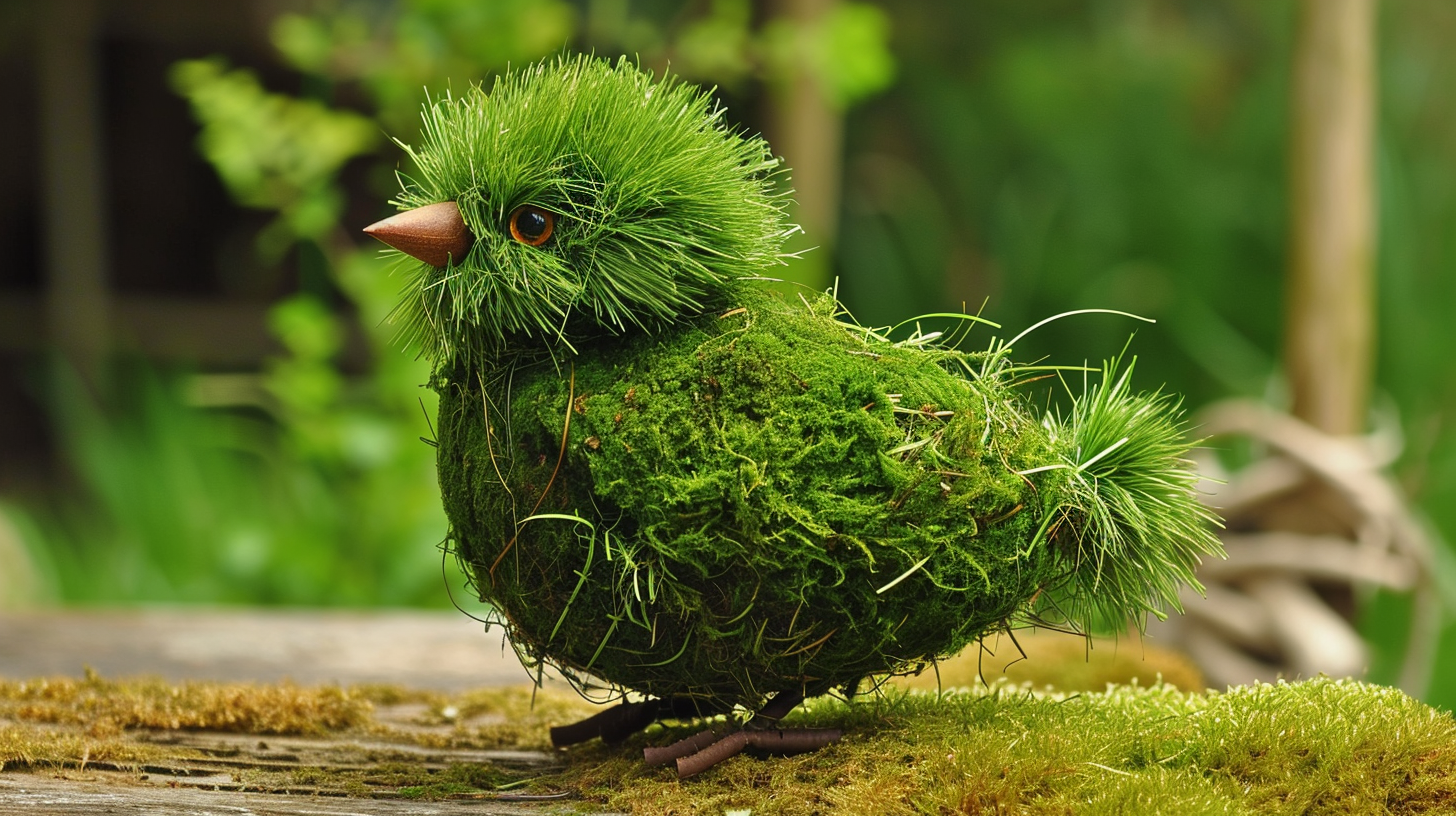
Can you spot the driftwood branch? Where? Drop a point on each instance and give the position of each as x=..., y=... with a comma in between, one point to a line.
x=1311, y=527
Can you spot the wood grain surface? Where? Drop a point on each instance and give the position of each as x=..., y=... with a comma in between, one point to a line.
x=222, y=773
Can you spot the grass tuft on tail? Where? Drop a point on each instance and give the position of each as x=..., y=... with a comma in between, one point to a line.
x=1131, y=526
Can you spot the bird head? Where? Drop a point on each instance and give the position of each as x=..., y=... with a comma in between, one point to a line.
x=576, y=199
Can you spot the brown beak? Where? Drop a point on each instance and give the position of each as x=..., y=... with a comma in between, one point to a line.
x=434, y=233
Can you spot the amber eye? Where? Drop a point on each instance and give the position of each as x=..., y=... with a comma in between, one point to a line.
x=532, y=226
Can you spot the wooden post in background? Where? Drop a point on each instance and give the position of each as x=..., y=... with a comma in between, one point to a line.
x=1330, y=326
x=807, y=129
x=73, y=169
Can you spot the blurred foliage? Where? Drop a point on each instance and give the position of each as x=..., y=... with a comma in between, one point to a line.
x=211, y=506
x=273, y=152
x=1119, y=154
x=844, y=51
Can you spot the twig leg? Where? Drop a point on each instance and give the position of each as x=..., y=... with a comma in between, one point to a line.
x=625, y=719
x=703, y=750
x=613, y=725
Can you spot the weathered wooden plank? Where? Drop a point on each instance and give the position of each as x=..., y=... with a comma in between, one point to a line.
x=241, y=773
x=443, y=650
x=90, y=793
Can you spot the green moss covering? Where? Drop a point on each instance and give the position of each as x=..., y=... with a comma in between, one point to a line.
x=770, y=500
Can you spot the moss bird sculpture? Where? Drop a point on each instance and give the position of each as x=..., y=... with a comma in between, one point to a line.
x=665, y=476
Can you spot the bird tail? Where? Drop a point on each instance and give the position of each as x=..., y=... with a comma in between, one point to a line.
x=1128, y=523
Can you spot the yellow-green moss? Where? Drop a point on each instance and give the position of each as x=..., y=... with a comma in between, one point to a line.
x=110, y=705
x=26, y=746
x=1045, y=659
x=1316, y=747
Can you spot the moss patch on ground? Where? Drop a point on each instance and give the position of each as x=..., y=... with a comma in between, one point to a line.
x=108, y=706
x=1045, y=659
x=1320, y=746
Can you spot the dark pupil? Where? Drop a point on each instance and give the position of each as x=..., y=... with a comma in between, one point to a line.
x=530, y=223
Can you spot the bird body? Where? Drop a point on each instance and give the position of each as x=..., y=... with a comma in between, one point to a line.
x=665, y=475
x=765, y=499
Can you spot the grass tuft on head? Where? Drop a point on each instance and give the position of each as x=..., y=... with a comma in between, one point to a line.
x=661, y=208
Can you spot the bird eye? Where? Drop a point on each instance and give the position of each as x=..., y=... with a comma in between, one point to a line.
x=531, y=225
